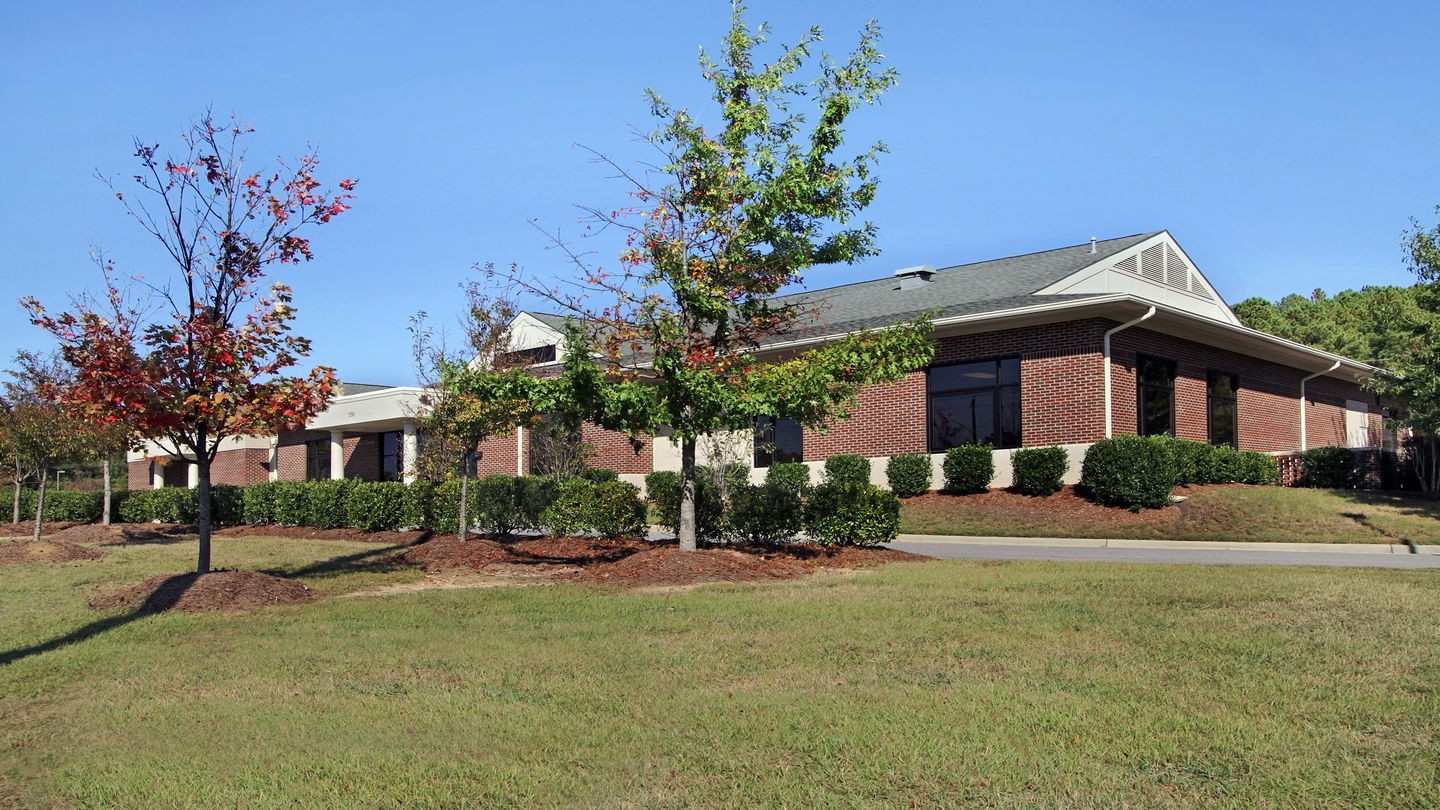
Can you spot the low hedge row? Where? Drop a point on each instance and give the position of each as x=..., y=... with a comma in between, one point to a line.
x=64, y=505
x=1140, y=471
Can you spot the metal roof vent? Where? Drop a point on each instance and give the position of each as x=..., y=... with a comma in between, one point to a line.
x=912, y=277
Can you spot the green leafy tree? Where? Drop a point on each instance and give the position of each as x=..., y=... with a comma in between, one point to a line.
x=1412, y=378
x=729, y=218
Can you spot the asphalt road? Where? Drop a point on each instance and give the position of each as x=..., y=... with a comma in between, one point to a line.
x=970, y=549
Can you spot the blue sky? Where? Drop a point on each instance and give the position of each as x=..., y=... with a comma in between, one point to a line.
x=1284, y=144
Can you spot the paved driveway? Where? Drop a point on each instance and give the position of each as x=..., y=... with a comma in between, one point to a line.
x=1151, y=551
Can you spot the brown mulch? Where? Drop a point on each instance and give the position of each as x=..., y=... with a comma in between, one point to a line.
x=21, y=551
x=217, y=590
x=636, y=562
x=26, y=528
x=311, y=533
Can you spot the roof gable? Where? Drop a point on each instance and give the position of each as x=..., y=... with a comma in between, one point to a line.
x=1155, y=269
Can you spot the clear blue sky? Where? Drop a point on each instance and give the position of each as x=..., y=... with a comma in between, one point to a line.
x=1284, y=144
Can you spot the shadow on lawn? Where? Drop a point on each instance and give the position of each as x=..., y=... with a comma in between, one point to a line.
x=379, y=560
x=162, y=599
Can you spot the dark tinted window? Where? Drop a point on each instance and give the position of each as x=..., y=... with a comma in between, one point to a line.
x=778, y=441
x=1221, y=406
x=975, y=403
x=390, y=460
x=1156, y=395
x=317, y=460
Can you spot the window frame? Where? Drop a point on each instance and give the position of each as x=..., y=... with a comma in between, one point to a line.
x=317, y=453
x=998, y=390
x=1211, y=398
x=398, y=455
x=767, y=451
x=1141, y=387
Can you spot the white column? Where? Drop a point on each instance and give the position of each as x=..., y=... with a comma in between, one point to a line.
x=409, y=452
x=274, y=458
x=519, y=451
x=337, y=455
x=192, y=475
x=157, y=474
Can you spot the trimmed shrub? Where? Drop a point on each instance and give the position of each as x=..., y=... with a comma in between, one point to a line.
x=377, y=506
x=1040, y=471
x=420, y=505
x=1224, y=465
x=227, y=504
x=292, y=503
x=852, y=515
x=909, y=475
x=771, y=513
x=1131, y=471
x=498, y=500
x=258, y=503
x=117, y=500
x=733, y=476
x=791, y=475
x=847, y=469
x=598, y=474
x=328, y=504
x=969, y=468
x=537, y=492
x=607, y=508
x=165, y=505
x=1194, y=462
x=68, y=506
x=664, y=490
x=1254, y=467
x=446, y=506
x=1328, y=467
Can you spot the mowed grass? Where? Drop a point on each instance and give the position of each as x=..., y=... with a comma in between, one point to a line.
x=1251, y=514
x=940, y=684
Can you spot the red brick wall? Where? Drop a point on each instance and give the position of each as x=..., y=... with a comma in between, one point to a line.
x=496, y=455
x=241, y=467
x=362, y=454
x=1061, y=397
x=1268, y=399
x=138, y=475
x=613, y=451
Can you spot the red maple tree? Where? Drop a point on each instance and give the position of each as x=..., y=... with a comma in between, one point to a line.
x=200, y=358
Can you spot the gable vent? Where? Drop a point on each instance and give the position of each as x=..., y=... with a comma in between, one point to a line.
x=1152, y=263
x=1177, y=273
x=1199, y=289
x=1130, y=265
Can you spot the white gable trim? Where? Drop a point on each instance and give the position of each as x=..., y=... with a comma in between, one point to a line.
x=1156, y=270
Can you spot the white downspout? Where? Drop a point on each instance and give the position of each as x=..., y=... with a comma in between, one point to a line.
x=1105, y=351
x=1304, y=443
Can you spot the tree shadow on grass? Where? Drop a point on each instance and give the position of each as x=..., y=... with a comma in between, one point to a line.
x=382, y=560
x=161, y=600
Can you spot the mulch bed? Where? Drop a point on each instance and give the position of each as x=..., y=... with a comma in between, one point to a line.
x=311, y=533
x=635, y=562
x=22, y=551
x=26, y=528
x=217, y=590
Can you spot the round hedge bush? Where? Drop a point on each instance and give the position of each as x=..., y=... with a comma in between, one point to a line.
x=852, y=515
x=1040, y=471
x=771, y=513
x=969, y=468
x=791, y=475
x=847, y=468
x=1134, y=472
x=908, y=475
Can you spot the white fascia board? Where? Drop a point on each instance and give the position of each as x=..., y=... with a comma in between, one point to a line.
x=390, y=406
x=1280, y=350
x=1101, y=277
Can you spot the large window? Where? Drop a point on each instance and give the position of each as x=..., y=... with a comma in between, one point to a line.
x=317, y=460
x=975, y=403
x=1221, y=405
x=1156, y=395
x=778, y=441
x=391, y=462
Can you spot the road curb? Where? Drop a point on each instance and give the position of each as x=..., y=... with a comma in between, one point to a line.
x=1203, y=545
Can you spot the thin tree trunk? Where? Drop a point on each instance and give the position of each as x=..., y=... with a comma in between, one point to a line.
x=202, y=495
x=686, y=534
x=465, y=496
x=40, y=504
x=15, y=518
x=105, y=514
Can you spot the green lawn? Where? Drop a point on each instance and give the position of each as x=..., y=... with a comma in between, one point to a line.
x=942, y=684
x=1235, y=513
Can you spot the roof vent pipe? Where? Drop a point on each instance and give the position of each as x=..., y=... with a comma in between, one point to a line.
x=1092, y=245
x=1105, y=351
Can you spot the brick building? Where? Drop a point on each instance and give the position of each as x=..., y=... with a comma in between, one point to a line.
x=1062, y=347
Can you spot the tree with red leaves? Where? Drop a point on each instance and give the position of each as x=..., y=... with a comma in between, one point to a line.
x=200, y=358
x=728, y=219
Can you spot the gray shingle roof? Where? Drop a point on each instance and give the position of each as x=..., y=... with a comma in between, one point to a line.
x=966, y=289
